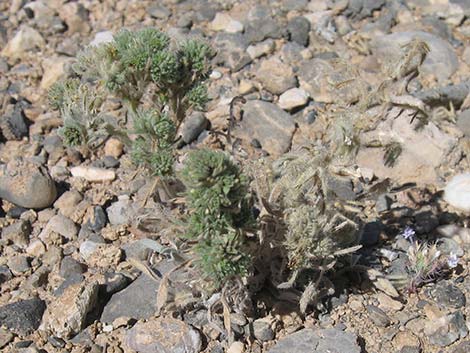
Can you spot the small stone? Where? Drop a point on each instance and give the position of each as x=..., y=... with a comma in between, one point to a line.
x=5, y=337
x=102, y=38
x=75, y=15
x=388, y=304
x=113, y=147
x=18, y=233
x=261, y=29
x=27, y=185
x=159, y=11
x=36, y=248
x=276, y=76
x=14, y=124
x=93, y=174
x=61, y=225
x=236, y=347
x=231, y=50
x=371, y=233
x=299, y=28
x=22, y=317
x=110, y=162
x=18, y=264
x=457, y=192
x=97, y=220
x=87, y=248
x=263, y=330
x=246, y=87
x=66, y=315
x=378, y=316
x=69, y=267
x=447, y=329
x=223, y=22
x=264, y=48
x=26, y=39
x=121, y=212
x=293, y=98
x=447, y=295
x=67, y=202
x=5, y=274
x=462, y=347
x=193, y=126
x=55, y=68
x=163, y=335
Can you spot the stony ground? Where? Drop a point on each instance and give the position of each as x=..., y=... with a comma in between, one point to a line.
x=69, y=232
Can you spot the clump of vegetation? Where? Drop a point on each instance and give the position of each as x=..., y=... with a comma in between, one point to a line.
x=219, y=206
x=133, y=66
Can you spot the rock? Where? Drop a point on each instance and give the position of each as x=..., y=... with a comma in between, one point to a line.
x=441, y=61
x=61, y=225
x=259, y=49
x=75, y=15
x=113, y=147
x=96, y=220
x=269, y=124
x=231, y=50
x=378, y=316
x=18, y=233
x=36, y=248
x=193, y=126
x=14, y=125
x=425, y=150
x=388, y=304
x=93, y=174
x=18, y=264
x=163, y=335
x=455, y=93
x=121, y=212
x=360, y=9
x=371, y=233
x=5, y=274
x=298, y=29
x=236, y=347
x=293, y=98
x=55, y=68
x=5, y=337
x=462, y=347
x=223, y=22
x=22, y=317
x=67, y=202
x=447, y=329
x=159, y=11
x=141, y=248
x=447, y=295
x=27, y=185
x=114, y=282
x=110, y=162
x=261, y=29
x=457, y=192
x=66, y=315
x=317, y=341
x=262, y=330
x=87, y=248
x=102, y=38
x=449, y=246
x=26, y=39
x=276, y=76
x=137, y=301
x=69, y=267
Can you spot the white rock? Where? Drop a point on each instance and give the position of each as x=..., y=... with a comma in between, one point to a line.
x=102, y=37
x=264, y=48
x=26, y=39
x=215, y=75
x=93, y=174
x=293, y=98
x=236, y=347
x=457, y=192
x=223, y=22
x=36, y=248
x=55, y=68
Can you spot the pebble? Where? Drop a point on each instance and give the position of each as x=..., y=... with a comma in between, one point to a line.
x=388, y=304
x=299, y=28
x=276, y=76
x=69, y=267
x=260, y=49
x=121, y=212
x=223, y=22
x=262, y=330
x=447, y=295
x=75, y=15
x=61, y=225
x=378, y=316
x=5, y=337
x=447, y=329
x=293, y=98
x=67, y=202
x=27, y=185
x=18, y=233
x=260, y=29
x=231, y=50
x=18, y=264
x=26, y=39
x=236, y=347
x=193, y=126
x=113, y=147
x=55, y=68
x=159, y=11
x=22, y=317
x=93, y=174
x=163, y=335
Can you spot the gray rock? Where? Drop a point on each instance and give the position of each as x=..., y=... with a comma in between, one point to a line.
x=114, y=282
x=137, y=301
x=159, y=11
x=67, y=202
x=22, y=317
x=463, y=122
x=445, y=94
x=193, y=126
x=462, y=347
x=360, y=9
x=61, y=225
x=291, y=53
x=318, y=341
x=447, y=295
x=140, y=249
x=378, y=316
x=299, y=28
x=5, y=274
x=18, y=264
x=163, y=335
x=69, y=267
x=98, y=219
x=441, y=61
x=269, y=124
x=18, y=233
x=259, y=30
x=27, y=185
x=263, y=330
x=449, y=246
x=70, y=280
x=110, y=162
x=449, y=330
x=121, y=212
x=13, y=123
x=341, y=187
x=231, y=50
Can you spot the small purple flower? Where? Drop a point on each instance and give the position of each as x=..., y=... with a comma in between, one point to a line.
x=409, y=234
x=452, y=260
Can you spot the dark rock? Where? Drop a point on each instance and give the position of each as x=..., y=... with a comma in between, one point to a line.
x=193, y=126
x=410, y=349
x=426, y=222
x=378, y=316
x=22, y=317
x=318, y=341
x=360, y=9
x=14, y=124
x=110, y=162
x=447, y=295
x=299, y=28
x=69, y=267
x=114, y=282
x=69, y=281
x=450, y=332
x=371, y=233
x=57, y=342
x=18, y=264
x=137, y=301
x=259, y=30
x=262, y=330
x=231, y=50
x=443, y=95
x=383, y=203
x=98, y=220
x=5, y=274
x=18, y=233
x=341, y=187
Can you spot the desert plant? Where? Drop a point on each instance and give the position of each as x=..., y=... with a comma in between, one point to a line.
x=218, y=200
x=134, y=65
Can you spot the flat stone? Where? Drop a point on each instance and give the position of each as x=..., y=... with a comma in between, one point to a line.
x=163, y=335
x=269, y=124
x=317, y=341
x=276, y=76
x=22, y=317
x=378, y=316
x=447, y=295
x=61, y=225
x=26, y=39
x=223, y=22
x=18, y=233
x=231, y=50
x=5, y=337
x=93, y=174
x=299, y=28
x=293, y=98
x=193, y=126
